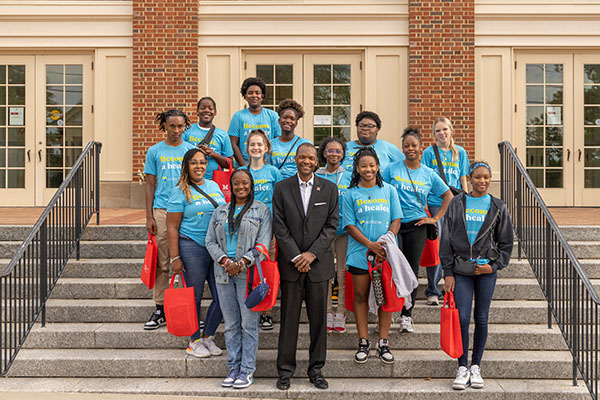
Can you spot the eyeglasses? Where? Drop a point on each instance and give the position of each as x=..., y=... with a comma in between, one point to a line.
x=333, y=152
x=367, y=126
x=194, y=162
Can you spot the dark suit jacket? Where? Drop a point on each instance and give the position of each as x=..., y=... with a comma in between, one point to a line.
x=297, y=233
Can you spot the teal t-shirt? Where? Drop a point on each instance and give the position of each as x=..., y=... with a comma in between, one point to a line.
x=371, y=210
x=232, y=239
x=264, y=183
x=243, y=122
x=220, y=143
x=342, y=180
x=453, y=170
x=197, y=212
x=164, y=162
x=476, y=210
x=280, y=149
x=426, y=182
x=386, y=152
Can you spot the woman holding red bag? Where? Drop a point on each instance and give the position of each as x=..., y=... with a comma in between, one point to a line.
x=477, y=242
x=234, y=230
x=370, y=208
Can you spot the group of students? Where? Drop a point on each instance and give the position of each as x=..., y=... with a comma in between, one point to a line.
x=382, y=191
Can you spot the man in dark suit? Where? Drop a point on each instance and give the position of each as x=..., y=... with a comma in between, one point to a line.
x=305, y=219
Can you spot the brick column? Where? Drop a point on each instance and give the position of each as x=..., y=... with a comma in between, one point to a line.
x=165, y=66
x=442, y=66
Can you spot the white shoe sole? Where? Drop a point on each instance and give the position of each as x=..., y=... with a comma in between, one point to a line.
x=457, y=386
x=477, y=385
x=243, y=386
x=227, y=384
x=191, y=353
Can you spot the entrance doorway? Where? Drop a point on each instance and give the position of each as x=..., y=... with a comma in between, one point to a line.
x=45, y=120
x=329, y=87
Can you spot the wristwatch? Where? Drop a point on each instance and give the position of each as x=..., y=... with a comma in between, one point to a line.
x=173, y=259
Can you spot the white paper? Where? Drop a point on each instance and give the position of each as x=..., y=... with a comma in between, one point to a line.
x=553, y=115
x=16, y=116
x=322, y=120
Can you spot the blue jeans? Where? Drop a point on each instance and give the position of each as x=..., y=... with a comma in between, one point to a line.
x=241, y=324
x=483, y=288
x=199, y=268
x=434, y=274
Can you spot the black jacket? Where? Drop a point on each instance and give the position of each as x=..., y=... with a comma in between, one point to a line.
x=455, y=241
x=297, y=233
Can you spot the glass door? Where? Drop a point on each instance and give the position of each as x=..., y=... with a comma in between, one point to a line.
x=544, y=131
x=587, y=129
x=64, y=115
x=17, y=134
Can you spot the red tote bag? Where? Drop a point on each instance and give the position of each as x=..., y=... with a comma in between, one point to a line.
x=180, y=309
x=450, y=335
x=393, y=303
x=431, y=252
x=270, y=272
x=221, y=177
x=349, y=292
x=150, y=259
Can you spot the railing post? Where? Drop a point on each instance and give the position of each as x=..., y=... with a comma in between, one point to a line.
x=519, y=217
x=44, y=268
x=549, y=276
x=97, y=181
x=575, y=327
x=78, y=190
x=502, y=172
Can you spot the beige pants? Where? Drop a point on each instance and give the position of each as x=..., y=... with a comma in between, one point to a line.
x=340, y=247
x=162, y=268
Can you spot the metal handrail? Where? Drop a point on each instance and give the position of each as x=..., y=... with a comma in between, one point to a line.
x=30, y=276
x=572, y=300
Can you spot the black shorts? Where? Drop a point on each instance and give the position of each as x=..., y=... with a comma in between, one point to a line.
x=357, y=271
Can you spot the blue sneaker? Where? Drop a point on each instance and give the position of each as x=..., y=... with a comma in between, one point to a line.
x=243, y=380
x=228, y=381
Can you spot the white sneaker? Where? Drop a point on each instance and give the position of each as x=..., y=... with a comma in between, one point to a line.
x=462, y=378
x=329, y=322
x=433, y=301
x=339, y=323
x=476, y=379
x=406, y=324
x=209, y=344
x=197, y=349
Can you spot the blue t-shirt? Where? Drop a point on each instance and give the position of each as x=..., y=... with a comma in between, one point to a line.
x=371, y=210
x=342, y=180
x=453, y=170
x=232, y=240
x=197, y=212
x=243, y=122
x=164, y=162
x=475, y=212
x=280, y=149
x=386, y=152
x=426, y=181
x=264, y=183
x=220, y=143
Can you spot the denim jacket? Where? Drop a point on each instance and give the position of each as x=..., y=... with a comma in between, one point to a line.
x=256, y=227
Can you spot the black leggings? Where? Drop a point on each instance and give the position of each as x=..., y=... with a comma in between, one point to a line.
x=411, y=241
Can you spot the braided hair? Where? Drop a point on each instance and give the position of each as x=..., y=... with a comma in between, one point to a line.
x=184, y=178
x=161, y=118
x=323, y=146
x=363, y=152
x=234, y=223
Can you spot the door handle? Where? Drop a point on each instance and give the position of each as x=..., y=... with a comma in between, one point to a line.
x=568, y=155
x=579, y=155
x=28, y=155
x=40, y=155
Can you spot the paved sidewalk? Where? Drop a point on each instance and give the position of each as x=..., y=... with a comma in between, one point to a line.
x=93, y=396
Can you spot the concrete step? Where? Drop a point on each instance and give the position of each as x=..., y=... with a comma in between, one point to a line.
x=138, y=311
x=425, y=337
x=339, y=388
x=340, y=364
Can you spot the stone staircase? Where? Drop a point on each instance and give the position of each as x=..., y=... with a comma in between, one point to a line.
x=94, y=341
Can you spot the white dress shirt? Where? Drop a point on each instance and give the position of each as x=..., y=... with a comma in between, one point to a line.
x=306, y=191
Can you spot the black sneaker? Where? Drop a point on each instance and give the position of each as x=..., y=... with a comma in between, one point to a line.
x=157, y=319
x=266, y=322
x=362, y=354
x=383, y=351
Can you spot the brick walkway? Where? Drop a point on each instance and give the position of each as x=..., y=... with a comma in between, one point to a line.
x=131, y=216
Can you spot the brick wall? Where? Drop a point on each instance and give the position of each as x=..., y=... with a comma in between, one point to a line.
x=165, y=66
x=442, y=66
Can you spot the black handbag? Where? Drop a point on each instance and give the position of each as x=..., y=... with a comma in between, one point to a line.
x=466, y=267
x=432, y=229
x=454, y=190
